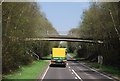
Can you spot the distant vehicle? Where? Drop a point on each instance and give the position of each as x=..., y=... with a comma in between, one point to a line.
x=58, y=56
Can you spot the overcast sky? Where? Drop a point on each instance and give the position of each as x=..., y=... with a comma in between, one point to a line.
x=64, y=15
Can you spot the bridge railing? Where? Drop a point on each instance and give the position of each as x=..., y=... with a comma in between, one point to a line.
x=63, y=33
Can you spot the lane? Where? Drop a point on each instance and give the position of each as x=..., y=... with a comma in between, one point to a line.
x=74, y=71
x=59, y=73
x=87, y=73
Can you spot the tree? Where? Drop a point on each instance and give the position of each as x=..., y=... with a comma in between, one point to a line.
x=20, y=21
x=101, y=21
x=72, y=46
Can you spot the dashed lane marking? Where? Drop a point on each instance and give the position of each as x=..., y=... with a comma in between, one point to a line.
x=67, y=63
x=77, y=75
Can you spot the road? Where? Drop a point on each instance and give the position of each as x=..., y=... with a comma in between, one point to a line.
x=74, y=71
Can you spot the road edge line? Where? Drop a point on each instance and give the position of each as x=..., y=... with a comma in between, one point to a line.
x=96, y=71
x=77, y=75
x=99, y=72
x=45, y=72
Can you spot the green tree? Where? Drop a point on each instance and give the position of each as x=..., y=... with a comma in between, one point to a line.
x=20, y=21
x=101, y=21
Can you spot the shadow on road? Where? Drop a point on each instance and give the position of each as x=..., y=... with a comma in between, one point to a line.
x=57, y=66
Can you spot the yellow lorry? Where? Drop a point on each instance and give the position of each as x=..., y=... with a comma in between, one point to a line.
x=58, y=56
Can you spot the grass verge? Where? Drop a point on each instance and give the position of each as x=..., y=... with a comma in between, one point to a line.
x=31, y=71
x=109, y=69
x=47, y=57
x=74, y=56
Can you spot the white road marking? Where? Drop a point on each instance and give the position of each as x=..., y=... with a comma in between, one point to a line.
x=77, y=75
x=45, y=73
x=67, y=64
x=83, y=70
x=68, y=67
x=98, y=72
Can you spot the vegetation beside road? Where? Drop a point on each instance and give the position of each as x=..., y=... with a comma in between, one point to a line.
x=47, y=57
x=106, y=68
x=21, y=20
x=109, y=69
x=31, y=71
x=76, y=57
x=99, y=22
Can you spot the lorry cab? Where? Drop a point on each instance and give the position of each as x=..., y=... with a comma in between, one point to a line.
x=58, y=56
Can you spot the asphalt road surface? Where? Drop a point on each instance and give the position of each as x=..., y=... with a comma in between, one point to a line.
x=74, y=71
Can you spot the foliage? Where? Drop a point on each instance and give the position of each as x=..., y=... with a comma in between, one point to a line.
x=101, y=22
x=31, y=71
x=20, y=21
x=109, y=69
x=72, y=46
x=63, y=44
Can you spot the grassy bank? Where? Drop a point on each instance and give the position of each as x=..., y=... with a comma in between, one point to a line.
x=72, y=54
x=109, y=69
x=47, y=57
x=31, y=71
x=75, y=56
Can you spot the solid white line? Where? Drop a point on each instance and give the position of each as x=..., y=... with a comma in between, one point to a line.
x=45, y=73
x=98, y=72
x=77, y=75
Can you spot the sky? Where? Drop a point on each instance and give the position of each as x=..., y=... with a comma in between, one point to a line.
x=64, y=15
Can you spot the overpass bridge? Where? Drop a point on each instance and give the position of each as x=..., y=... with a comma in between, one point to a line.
x=67, y=38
